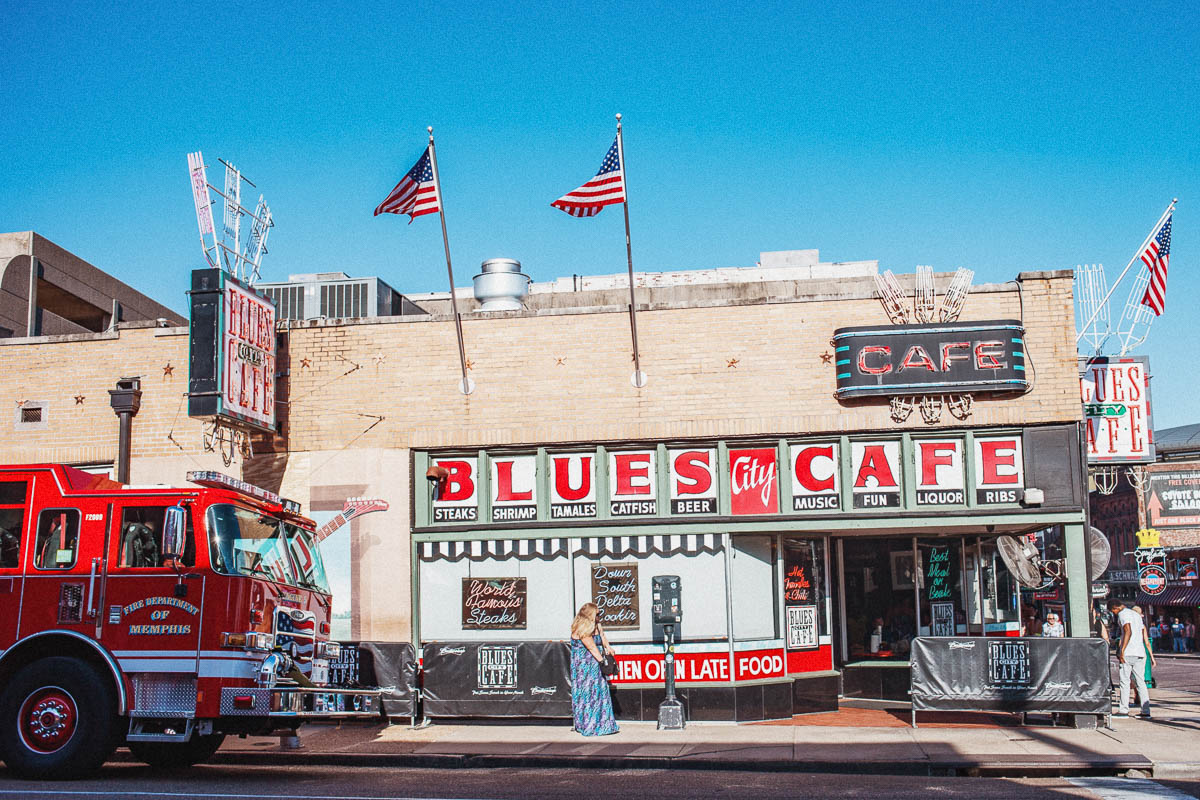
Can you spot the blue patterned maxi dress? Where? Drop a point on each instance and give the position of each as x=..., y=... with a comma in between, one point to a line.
x=590, y=697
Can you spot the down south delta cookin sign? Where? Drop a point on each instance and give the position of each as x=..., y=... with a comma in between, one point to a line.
x=231, y=360
x=738, y=481
x=898, y=360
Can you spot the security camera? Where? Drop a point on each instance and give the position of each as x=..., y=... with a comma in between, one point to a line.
x=436, y=477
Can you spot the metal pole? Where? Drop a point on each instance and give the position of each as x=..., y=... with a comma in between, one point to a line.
x=467, y=387
x=1121, y=277
x=639, y=378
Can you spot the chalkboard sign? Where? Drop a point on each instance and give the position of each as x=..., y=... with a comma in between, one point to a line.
x=615, y=592
x=493, y=604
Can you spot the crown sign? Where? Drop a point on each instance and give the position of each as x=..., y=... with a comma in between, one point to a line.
x=1147, y=538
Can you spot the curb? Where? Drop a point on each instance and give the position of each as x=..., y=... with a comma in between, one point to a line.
x=1117, y=765
x=1176, y=769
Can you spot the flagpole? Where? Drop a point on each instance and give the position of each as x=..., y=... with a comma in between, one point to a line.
x=1103, y=303
x=467, y=385
x=639, y=377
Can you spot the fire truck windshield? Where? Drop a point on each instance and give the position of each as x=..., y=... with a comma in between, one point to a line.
x=306, y=556
x=245, y=542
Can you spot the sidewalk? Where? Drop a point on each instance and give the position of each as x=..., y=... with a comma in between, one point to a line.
x=1167, y=746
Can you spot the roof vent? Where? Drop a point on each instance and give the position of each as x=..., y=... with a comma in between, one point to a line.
x=501, y=286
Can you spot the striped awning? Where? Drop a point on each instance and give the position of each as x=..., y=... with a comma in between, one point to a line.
x=1172, y=596
x=591, y=547
x=520, y=549
x=622, y=546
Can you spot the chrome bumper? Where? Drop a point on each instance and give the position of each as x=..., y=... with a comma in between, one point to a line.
x=294, y=702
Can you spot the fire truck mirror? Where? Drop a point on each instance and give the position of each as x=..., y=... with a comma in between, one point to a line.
x=174, y=534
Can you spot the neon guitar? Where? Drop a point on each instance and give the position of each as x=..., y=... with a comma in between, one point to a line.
x=355, y=507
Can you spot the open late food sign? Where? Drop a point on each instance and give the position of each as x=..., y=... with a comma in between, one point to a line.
x=232, y=351
x=896, y=360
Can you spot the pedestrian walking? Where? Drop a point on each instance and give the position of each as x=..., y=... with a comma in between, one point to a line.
x=1155, y=634
x=1131, y=656
x=1189, y=636
x=591, y=699
x=1151, y=662
x=1177, y=639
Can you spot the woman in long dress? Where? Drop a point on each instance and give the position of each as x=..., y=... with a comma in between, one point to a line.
x=591, y=700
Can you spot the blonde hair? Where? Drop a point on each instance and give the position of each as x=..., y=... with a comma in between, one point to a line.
x=584, y=623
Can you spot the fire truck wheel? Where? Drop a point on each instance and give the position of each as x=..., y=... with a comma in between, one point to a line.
x=177, y=754
x=57, y=720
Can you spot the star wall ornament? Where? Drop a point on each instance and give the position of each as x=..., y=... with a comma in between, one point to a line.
x=379, y=358
x=79, y=399
x=925, y=309
x=560, y=362
x=826, y=357
x=470, y=364
x=168, y=371
x=732, y=363
x=305, y=363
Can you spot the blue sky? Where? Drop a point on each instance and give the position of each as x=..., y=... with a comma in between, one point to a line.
x=1000, y=137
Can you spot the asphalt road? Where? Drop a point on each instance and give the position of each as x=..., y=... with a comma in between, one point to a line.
x=1178, y=673
x=131, y=782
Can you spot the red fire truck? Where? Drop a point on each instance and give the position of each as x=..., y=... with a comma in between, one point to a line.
x=158, y=618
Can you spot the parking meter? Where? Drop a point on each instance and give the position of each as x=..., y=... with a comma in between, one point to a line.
x=667, y=611
x=666, y=600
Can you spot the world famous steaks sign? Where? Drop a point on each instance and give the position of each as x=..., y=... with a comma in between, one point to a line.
x=900, y=360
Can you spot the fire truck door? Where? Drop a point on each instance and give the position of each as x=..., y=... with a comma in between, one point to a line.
x=149, y=622
x=64, y=571
x=14, y=514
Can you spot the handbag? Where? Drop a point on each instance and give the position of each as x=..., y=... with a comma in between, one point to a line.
x=608, y=664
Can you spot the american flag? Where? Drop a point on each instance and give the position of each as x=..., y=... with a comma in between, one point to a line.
x=297, y=632
x=607, y=188
x=1157, y=254
x=415, y=194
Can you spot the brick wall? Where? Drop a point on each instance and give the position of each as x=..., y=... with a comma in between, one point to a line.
x=362, y=395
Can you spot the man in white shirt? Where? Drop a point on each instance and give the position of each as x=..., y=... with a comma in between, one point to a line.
x=1131, y=653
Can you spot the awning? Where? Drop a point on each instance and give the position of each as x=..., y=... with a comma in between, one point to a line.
x=520, y=549
x=591, y=547
x=1172, y=596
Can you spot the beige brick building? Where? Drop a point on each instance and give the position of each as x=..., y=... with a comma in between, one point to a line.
x=366, y=406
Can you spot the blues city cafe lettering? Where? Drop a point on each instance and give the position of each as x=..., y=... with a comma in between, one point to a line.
x=1009, y=665
x=875, y=479
x=232, y=351
x=898, y=360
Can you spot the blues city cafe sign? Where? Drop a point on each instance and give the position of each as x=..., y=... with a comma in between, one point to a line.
x=821, y=480
x=898, y=360
x=232, y=349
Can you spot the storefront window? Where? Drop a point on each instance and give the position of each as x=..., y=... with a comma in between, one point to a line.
x=880, y=576
x=753, y=586
x=941, y=594
x=804, y=577
x=991, y=591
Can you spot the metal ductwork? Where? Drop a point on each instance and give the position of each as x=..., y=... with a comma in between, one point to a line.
x=501, y=286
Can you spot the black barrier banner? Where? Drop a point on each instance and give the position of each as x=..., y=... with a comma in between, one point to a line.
x=497, y=679
x=391, y=666
x=1010, y=674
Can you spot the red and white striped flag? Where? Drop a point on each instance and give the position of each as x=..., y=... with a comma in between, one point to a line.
x=1157, y=254
x=607, y=188
x=415, y=194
